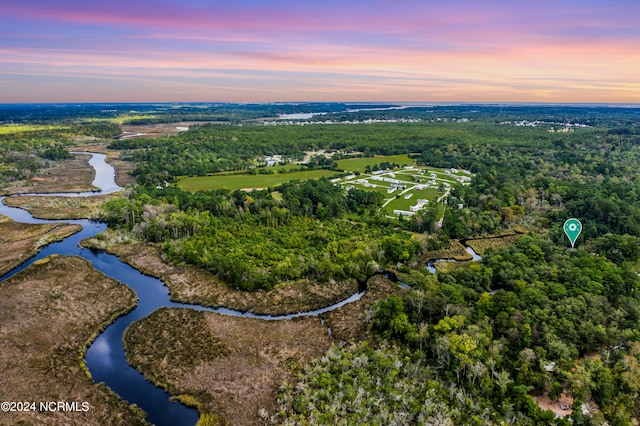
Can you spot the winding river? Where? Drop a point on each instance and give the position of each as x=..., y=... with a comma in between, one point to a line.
x=474, y=256
x=105, y=357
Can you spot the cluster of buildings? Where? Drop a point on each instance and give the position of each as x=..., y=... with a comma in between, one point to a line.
x=273, y=160
x=422, y=179
x=461, y=179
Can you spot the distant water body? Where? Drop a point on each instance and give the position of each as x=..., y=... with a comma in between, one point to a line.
x=405, y=105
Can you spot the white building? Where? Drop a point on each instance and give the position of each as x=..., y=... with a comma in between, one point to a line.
x=272, y=161
x=419, y=205
x=403, y=213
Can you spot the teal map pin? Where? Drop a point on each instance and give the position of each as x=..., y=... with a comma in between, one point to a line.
x=572, y=227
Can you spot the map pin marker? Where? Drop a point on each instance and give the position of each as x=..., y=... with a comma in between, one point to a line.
x=572, y=227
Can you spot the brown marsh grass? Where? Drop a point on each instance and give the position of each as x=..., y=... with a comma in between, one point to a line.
x=49, y=314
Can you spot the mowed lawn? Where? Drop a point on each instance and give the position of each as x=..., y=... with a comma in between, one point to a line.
x=401, y=203
x=358, y=164
x=203, y=183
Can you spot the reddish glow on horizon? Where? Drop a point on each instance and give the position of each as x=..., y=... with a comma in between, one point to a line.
x=258, y=51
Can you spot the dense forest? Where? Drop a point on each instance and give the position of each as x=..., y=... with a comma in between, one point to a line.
x=464, y=347
x=467, y=346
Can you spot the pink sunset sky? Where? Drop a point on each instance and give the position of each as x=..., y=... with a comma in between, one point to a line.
x=366, y=51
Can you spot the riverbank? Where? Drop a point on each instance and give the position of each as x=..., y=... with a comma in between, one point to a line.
x=349, y=322
x=59, y=208
x=231, y=368
x=122, y=168
x=188, y=284
x=49, y=314
x=73, y=175
x=21, y=241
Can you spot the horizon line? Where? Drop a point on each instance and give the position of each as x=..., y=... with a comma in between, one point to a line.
x=395, y=103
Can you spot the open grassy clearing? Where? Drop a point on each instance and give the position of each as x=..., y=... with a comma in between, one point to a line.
x=203, y=183
x=7, y=129
x=426, y=173
x=20, y=241
x=447, y=266
x=440, y=214
x=49, y=313
x=404, y=177
x=229, y=367
x=359, y=164
x=121, y=119
x=403, y=203
x=189, y=284
x=379, y=187
x=456, y=251
x=481, y=245
x=284, y=168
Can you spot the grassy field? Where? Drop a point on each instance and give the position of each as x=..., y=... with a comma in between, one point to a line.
x=481, y=245
x=6, y=129
x=358, y=164
x=401, y=203
x=121, y=119
x=203, y=183
x=455, y=251
x=440, y=212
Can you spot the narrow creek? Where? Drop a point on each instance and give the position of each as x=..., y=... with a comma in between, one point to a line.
x=105, y=357
x=474, y=256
